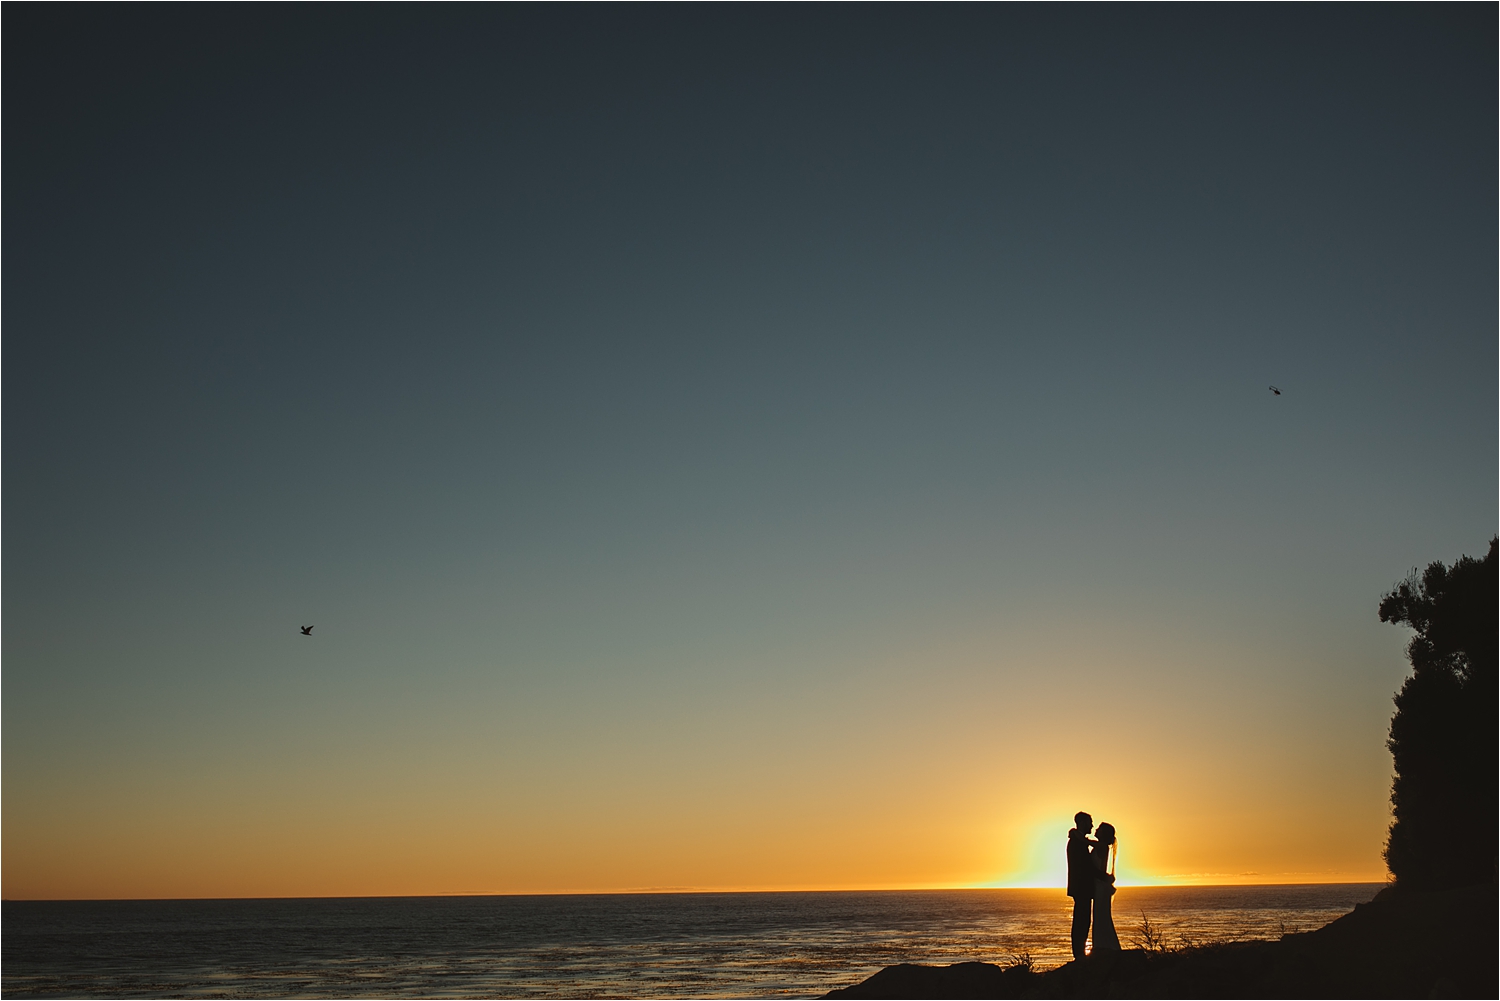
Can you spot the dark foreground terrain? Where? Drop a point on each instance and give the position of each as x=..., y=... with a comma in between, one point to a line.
x=1400, y=945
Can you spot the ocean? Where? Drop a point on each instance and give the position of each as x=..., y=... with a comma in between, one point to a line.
x=666, y=945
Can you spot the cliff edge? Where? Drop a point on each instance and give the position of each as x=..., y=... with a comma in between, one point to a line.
x=1401, y=944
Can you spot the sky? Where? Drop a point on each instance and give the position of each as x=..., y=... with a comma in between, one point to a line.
x=727, y=448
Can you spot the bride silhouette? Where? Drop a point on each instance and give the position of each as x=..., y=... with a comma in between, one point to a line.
x=1103, y=856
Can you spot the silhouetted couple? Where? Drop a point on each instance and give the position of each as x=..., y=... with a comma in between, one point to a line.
x=1091, y=883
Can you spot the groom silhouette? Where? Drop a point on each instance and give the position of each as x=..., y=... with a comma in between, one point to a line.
x=1081, y=876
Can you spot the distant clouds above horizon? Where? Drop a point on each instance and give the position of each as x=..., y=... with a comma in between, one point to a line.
x=727, y=447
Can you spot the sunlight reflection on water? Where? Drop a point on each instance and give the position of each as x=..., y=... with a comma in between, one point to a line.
x=638, y=945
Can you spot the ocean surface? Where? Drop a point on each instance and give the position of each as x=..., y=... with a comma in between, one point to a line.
x=669, y=945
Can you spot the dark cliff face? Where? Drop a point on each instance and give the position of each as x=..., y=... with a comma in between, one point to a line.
x=1402, y=944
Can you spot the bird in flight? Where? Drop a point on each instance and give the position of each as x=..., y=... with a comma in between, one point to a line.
x=307, y=630
x=1275, y=390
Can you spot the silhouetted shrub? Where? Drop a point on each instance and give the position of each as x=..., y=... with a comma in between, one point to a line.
x=1151, y=938
x=1444, y=732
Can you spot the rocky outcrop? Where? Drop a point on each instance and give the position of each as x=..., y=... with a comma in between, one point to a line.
x=1398, y=945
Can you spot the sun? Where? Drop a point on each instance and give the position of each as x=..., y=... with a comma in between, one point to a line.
x=1039, y=860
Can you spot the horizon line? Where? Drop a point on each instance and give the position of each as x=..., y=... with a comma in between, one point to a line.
x=682, y=891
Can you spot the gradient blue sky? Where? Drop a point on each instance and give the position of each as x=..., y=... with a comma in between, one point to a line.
x=734, y=447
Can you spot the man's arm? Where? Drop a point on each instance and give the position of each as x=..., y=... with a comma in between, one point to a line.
x=1078, y=852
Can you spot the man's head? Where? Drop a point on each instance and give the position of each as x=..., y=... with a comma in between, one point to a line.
x=1084, y=822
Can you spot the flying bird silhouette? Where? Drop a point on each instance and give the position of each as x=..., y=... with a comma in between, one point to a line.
x=307, y=630
x=1275, y=390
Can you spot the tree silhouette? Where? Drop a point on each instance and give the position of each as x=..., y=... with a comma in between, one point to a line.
x=1444, y=731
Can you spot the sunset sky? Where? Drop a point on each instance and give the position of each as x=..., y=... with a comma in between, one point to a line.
x=747, y=447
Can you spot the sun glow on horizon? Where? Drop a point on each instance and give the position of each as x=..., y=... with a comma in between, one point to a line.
x=1040, y=863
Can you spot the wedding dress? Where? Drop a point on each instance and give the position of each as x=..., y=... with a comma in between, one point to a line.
x=1105, y=939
